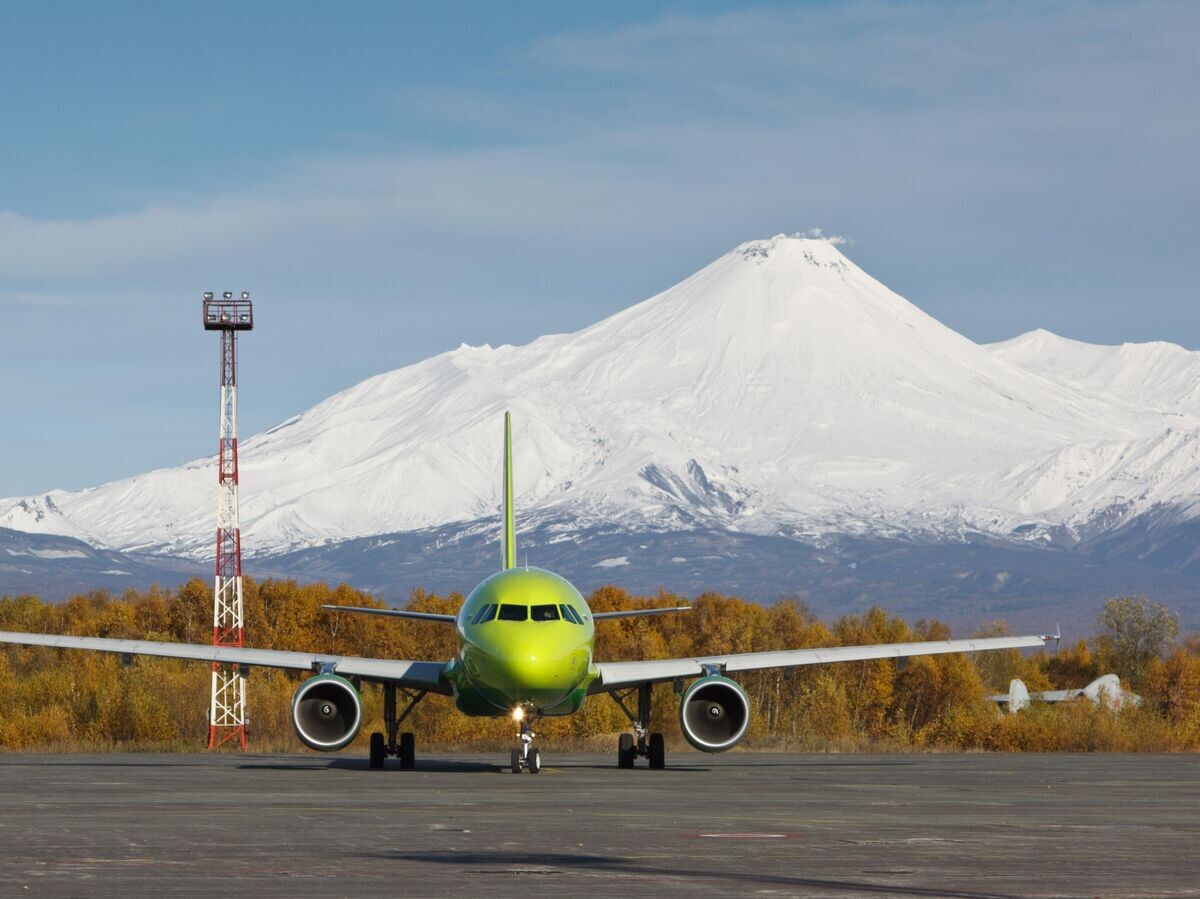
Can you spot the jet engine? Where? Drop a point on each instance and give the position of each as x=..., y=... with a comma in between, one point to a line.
x=714, y=714
x=326, y=712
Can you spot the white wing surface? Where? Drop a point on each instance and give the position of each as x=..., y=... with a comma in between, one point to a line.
x=420, y=675
x=637, y=613
x=394, y=613
x=624, y=674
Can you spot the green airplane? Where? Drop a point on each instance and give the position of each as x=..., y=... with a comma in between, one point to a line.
x=525, y=651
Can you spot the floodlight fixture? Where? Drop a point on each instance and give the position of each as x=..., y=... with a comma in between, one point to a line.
x=228, y=313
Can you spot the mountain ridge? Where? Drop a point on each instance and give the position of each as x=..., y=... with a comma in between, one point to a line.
x=781, y=391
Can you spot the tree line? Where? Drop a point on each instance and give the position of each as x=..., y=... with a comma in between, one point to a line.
x=74, y=701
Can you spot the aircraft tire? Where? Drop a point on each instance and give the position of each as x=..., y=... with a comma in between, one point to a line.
x=658, y=752
x=516, y=761
x=535, y=761
x=408, y=751
x=377, y=750
x=625, y=751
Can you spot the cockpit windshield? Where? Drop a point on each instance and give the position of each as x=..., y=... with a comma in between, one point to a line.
x=487, y=613
x=513, y=612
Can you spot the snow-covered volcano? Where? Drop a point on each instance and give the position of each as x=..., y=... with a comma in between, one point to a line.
x=778, y=391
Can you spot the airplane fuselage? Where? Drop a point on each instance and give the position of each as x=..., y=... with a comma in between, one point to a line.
x=525, y=640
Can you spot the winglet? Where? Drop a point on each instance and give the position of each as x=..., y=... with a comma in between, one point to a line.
x=1056, y=637
x=509, y=548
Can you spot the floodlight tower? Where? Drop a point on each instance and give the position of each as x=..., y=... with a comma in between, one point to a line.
x=227, y=710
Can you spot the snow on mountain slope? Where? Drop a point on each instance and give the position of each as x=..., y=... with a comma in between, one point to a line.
x=780, y=389
x=1093, y=486
x=1158, y=375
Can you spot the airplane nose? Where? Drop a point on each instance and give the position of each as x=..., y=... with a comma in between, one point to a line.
x=538, y=665
x=535, y=666
x=532, y=672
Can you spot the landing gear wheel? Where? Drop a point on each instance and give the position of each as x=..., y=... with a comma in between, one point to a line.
x=405, y=747
x=658, y=752
x=534, y=761
x=625, y=751
x=516, y=761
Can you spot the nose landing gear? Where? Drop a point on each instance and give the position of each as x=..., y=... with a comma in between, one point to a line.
x=525, y=756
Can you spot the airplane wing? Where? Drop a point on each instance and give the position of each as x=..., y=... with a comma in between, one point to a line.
x=394, y=613
x=1106, y=688
x=404, y=673
x=635, y=613
x=1056, y=695
x=624, y=674
x=1043, y=696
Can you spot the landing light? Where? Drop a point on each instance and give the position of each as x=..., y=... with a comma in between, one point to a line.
x=518, y=713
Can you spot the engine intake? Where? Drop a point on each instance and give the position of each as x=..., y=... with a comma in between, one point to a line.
x=714, y=714
x=326, y=712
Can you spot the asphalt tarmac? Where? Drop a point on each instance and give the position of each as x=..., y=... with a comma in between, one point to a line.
x=740, y=824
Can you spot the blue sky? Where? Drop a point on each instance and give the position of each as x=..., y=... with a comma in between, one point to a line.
x=391, y=180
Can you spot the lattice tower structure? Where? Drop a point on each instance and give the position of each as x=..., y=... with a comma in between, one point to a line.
x=228, y=717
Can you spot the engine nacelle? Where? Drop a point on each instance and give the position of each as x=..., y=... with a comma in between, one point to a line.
x=326, y=712
x=714, y=714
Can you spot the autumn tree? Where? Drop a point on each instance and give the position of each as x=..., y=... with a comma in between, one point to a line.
x=78, y=700
x=1133, y=631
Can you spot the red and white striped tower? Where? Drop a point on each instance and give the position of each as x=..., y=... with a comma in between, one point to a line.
x=227, y=711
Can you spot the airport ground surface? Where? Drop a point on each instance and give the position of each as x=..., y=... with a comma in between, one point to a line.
x=742, y=824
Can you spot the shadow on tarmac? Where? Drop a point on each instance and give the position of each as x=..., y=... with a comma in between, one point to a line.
x=611, y=766
x=441, y=766
x=531, y=862
x=848, y=763
x=729, y=762
x=91, y=764
x=349, y=764
x=436, y=765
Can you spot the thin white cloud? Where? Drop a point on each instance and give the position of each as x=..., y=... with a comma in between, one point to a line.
x=819, y=234
x=733, y=126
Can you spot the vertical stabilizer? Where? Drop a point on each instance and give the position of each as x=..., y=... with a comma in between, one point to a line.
x=510, y=530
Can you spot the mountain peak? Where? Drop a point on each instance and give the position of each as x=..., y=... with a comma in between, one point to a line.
x=779, y=389
x=812, y=246
x=803, y=257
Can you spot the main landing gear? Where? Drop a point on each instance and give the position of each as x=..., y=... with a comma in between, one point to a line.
x=405, y=748
x=525, y=756
x=650, y=746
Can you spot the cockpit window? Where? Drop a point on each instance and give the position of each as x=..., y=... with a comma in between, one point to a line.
x=513, y=613
x=487, y=613
x=544, y=613
x=569, y=613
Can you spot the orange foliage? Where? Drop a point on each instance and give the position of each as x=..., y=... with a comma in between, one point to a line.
x=77, y=700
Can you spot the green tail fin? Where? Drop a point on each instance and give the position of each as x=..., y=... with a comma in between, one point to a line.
x=510, y=530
